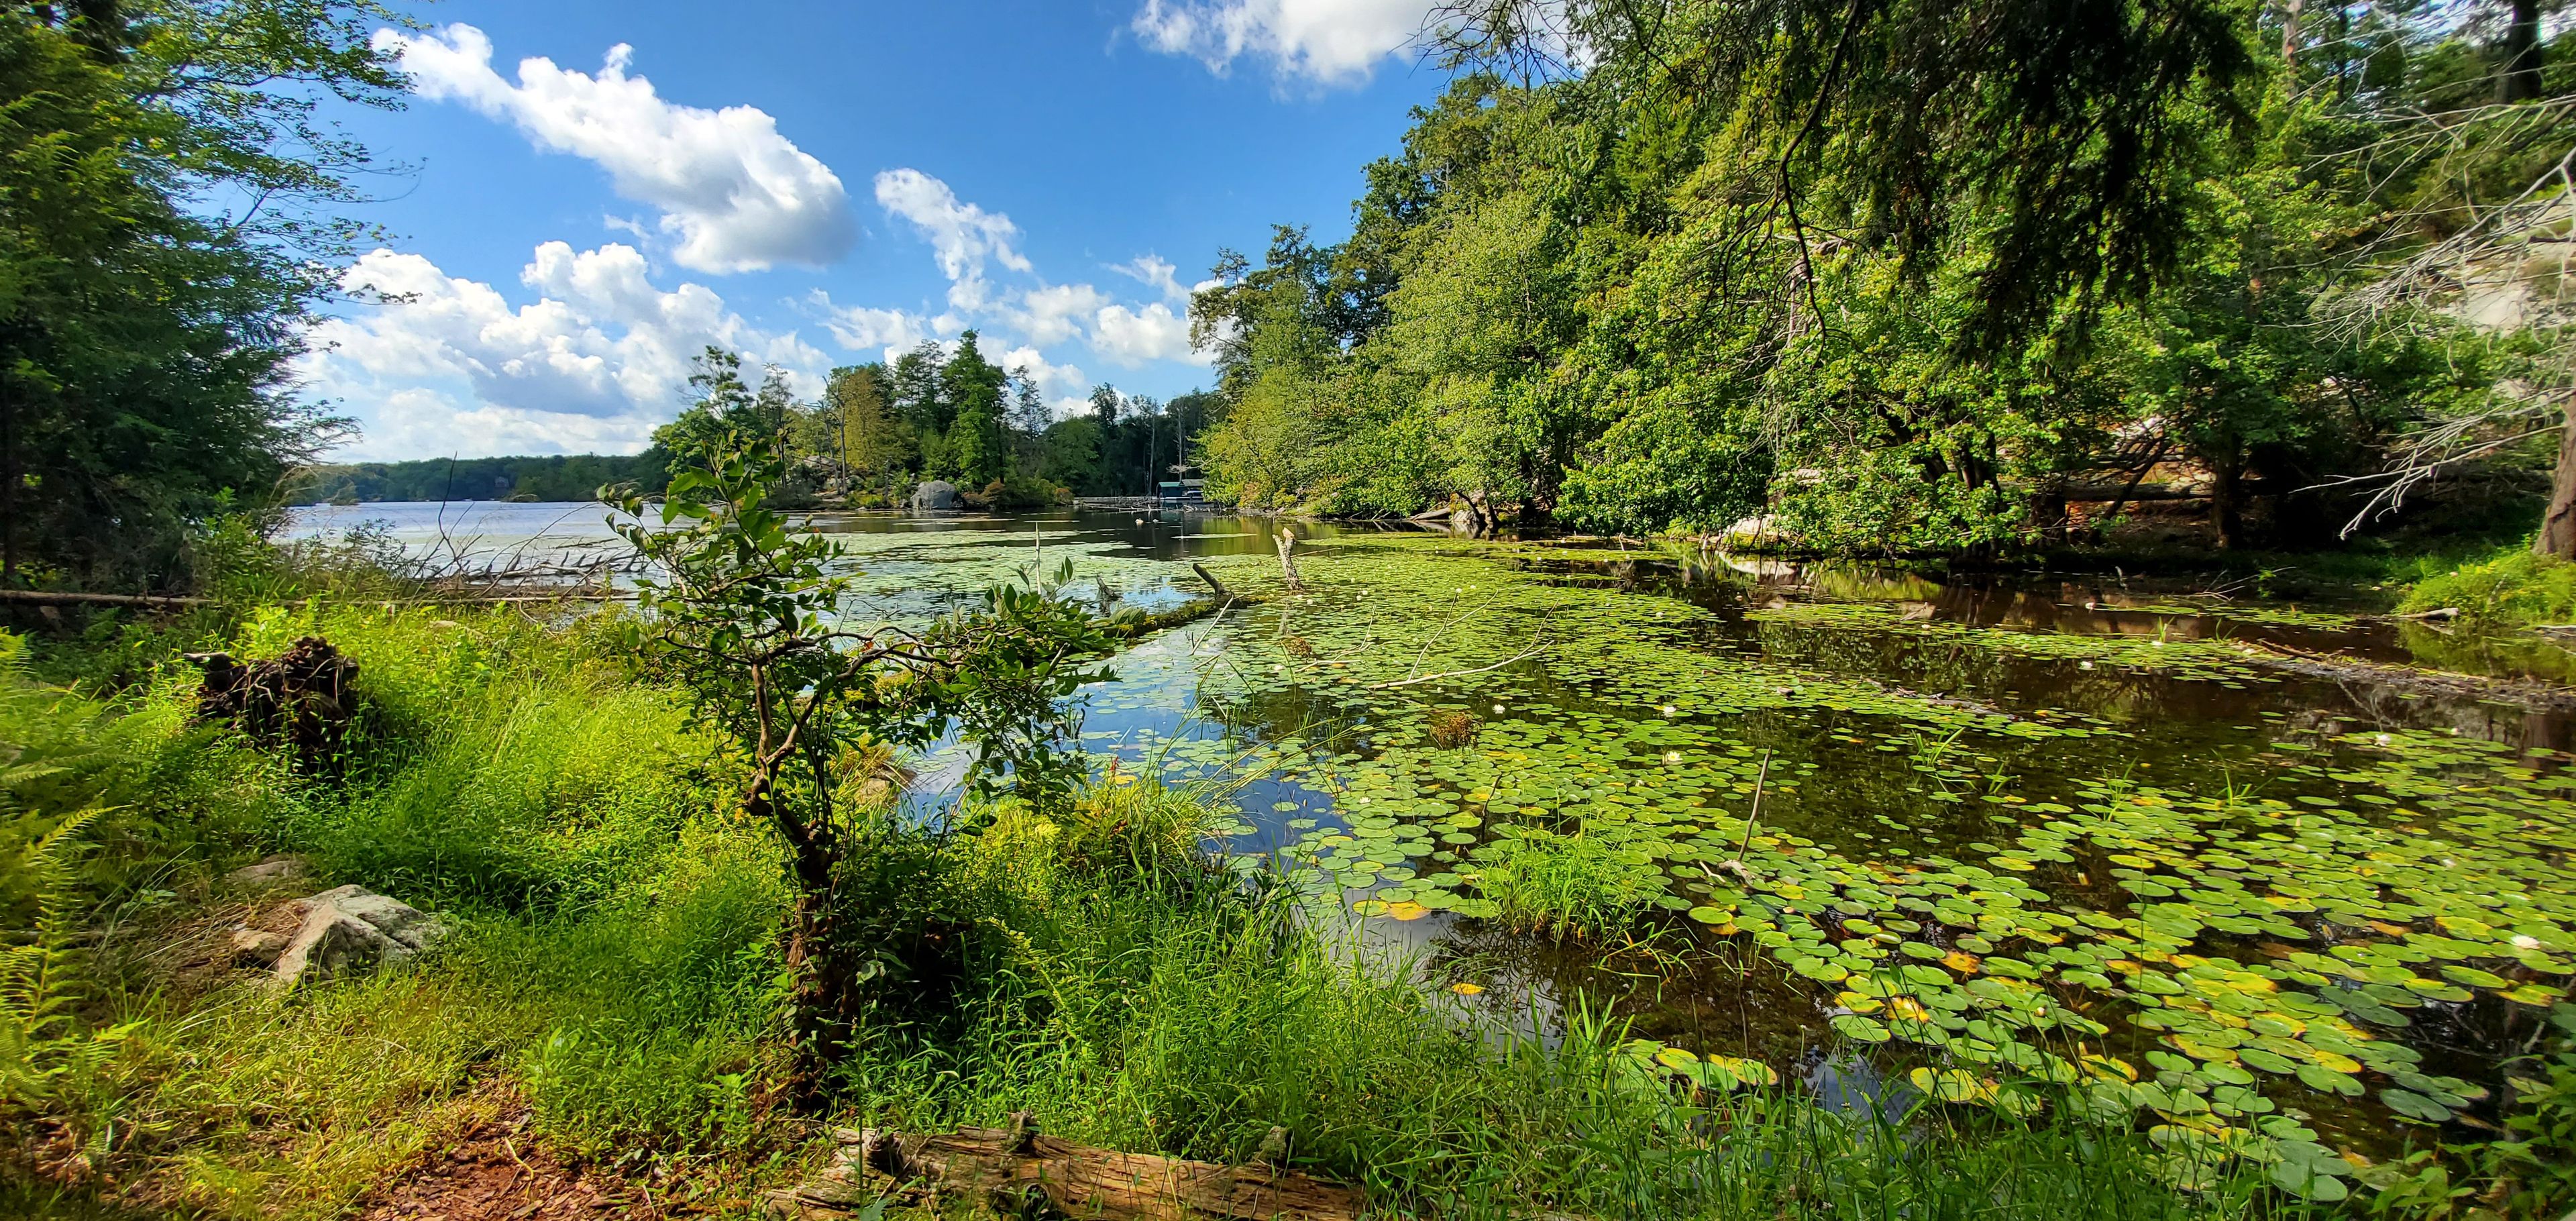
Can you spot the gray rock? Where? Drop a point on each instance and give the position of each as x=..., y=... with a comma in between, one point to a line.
x=349, y=928
x=937, y=496
x=410, y=927
x=257, y=947
x=275, y=871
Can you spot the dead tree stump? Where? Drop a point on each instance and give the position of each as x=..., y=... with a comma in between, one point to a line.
x=300, y=701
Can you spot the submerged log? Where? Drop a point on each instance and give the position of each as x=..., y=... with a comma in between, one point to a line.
x=1011, y=1168
x=1210, y=578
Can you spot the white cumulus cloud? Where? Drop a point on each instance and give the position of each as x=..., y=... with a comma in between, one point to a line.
x=861, y=327
x=1131, y=337
x=1154, y=271
x=1330, y=42
x=963, y=236
x=734, y=193
x=1067, y=391
x=445, y=364
x=1056, y=312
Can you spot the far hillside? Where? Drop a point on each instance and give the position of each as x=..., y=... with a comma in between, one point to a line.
x=533, y=477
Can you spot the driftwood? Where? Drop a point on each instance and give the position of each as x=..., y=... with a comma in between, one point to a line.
x=1015, y=1169
x=1288, y=560
x=1210, y=578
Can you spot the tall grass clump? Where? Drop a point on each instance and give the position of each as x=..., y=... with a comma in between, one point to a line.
x=539, y=793
x=2513, y=587
x=1568, y=885
x=661, y=1000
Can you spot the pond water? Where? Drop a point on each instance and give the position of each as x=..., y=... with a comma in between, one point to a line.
x=2234, y=868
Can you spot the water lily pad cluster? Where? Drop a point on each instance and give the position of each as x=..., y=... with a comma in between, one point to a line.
x=2204, y=659
x=2237, y=953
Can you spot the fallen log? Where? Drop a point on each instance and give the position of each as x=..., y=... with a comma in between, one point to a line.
x=47, y=597
x=1010, y=1168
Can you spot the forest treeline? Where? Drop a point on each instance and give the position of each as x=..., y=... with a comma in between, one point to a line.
x=1930, y=277
x=1914, y=275
x=877, y=429
x=553, y=477
x=944, y=412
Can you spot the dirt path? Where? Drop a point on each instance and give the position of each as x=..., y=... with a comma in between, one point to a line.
x=492, y=1171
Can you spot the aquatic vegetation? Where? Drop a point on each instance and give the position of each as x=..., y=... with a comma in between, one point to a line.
x=1569, y=885
x=2160, y=652
x=1449, y=729
x=2236, y=957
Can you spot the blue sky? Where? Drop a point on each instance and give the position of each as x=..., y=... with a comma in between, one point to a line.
x=597, y=190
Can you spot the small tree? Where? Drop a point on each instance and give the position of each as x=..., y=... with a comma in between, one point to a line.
x=744, y=612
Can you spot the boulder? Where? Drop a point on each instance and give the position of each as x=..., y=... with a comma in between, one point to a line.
x=937, y=496
x=347, y=928
x=1753, y=530
x=258, y=947
x=274, y=871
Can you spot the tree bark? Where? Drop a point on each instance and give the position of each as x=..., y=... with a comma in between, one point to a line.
x=8, y=484
x=2558, y=526
x=2520, y=79
x=2226, y=504
x=1287, y=561
x=2290, y=31
x=819, y=970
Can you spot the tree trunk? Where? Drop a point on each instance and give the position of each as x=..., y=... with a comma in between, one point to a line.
x=2226, y=504
x=2520, y=79
x=1288, y=560
x=2558, y=526
x=8, y=485
x=821, y=975
x=2290, y=31
x=2048, y=512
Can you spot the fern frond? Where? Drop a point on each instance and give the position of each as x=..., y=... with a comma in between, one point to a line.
x=40, y=1035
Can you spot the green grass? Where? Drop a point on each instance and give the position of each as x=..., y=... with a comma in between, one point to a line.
x=1566, y=884
x=2511, y=587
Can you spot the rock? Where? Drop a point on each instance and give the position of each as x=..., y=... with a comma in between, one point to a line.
x=350, y=928
x=257, y=947
x=1751, y=530
x=937, y=496
x=274, y=871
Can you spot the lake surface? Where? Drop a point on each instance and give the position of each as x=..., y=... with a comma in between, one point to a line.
x=2233, y=867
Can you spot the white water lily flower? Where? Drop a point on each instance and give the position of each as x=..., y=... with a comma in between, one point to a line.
x=2083, y=665
x=1669, y=710
x=1498, y=710
x=2525, y=941
x=1672, y=756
